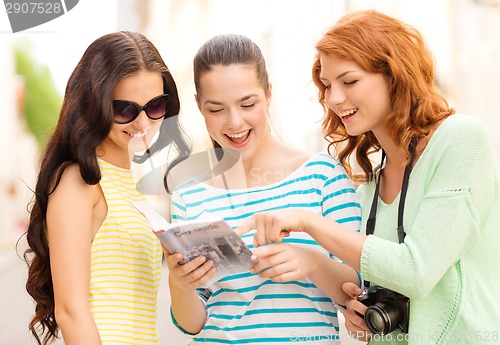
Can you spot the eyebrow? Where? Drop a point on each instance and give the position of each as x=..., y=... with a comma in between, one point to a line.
x=242, y=99
x=339, y=76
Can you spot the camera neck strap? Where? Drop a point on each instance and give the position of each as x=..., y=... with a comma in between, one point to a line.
x=370, y=224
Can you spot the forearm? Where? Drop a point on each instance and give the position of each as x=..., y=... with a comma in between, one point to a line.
x=77, y=328
x=345, y=243
x=188, y=310
x=329, y=275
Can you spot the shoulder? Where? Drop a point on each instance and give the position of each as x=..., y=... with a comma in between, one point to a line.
x=328, y=169
x=459, y=154
x=463, y=126
x=71, y=175
x=71, y=185
x=460, y=134
x=324, y=157
x=324, y=161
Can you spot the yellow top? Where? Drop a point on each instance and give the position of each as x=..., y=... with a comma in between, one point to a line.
x=125, y=265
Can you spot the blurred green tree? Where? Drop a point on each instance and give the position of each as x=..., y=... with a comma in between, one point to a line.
x=42, y=101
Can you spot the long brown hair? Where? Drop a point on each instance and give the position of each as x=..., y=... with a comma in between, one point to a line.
x=85, y=121
x=382, y=44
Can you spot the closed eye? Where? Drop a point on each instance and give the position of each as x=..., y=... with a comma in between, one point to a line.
x=350, y=82
x=247, y=106
x=214, y=111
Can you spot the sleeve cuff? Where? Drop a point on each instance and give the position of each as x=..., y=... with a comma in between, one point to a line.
x=364, y=270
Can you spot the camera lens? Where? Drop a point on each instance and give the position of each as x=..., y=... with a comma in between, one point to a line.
x=376, y=322
x=382, y=318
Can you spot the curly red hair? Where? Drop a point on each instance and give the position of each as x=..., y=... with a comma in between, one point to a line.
x=382, y=44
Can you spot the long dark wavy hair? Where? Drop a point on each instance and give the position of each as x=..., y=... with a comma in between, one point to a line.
x=382, y=44
x=85, y=121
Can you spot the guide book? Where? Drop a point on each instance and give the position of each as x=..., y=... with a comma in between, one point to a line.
x=214, y=239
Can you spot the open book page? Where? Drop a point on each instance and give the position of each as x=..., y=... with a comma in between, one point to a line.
x=214, y=239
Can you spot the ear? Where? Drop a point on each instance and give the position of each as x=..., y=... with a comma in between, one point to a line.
x=197, y=101
x=269, y=94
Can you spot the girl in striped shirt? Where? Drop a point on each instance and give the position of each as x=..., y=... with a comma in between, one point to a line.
x=290, y=299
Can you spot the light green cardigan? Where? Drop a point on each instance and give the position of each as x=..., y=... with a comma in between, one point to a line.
x=449, y=264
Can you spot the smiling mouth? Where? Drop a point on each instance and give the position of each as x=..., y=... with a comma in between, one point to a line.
x=346, y=115
x=137, y=135
x=238, y=138
x=348, y=112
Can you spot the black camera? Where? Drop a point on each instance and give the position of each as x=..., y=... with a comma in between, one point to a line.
x=387, y=310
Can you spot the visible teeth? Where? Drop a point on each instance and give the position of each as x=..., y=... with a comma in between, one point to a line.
x=238, y=135
x=348, y=112
x=137, y=135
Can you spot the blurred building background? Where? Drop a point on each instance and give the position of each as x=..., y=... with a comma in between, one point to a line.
x=464, y=36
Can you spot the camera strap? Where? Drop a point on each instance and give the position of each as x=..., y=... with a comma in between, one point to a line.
x=370, y=223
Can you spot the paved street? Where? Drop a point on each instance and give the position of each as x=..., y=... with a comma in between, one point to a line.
x=16, y=307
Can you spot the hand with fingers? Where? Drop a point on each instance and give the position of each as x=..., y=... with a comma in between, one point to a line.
x=273, y=226
x=192, y=274
x=282, y=262
x=354, y=313
x=183, y=281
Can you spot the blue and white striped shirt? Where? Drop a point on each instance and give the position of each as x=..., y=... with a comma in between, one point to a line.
x=246, y=309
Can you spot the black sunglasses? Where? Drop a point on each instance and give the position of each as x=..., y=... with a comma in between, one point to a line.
x=127, y=111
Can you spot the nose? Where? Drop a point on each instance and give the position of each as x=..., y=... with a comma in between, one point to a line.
x=334, y=97
x=142, y=121
x=235, y=119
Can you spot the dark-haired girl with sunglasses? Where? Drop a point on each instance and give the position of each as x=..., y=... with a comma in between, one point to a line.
x=94, y=263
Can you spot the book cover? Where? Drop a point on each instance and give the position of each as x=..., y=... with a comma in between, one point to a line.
x=214, y=239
